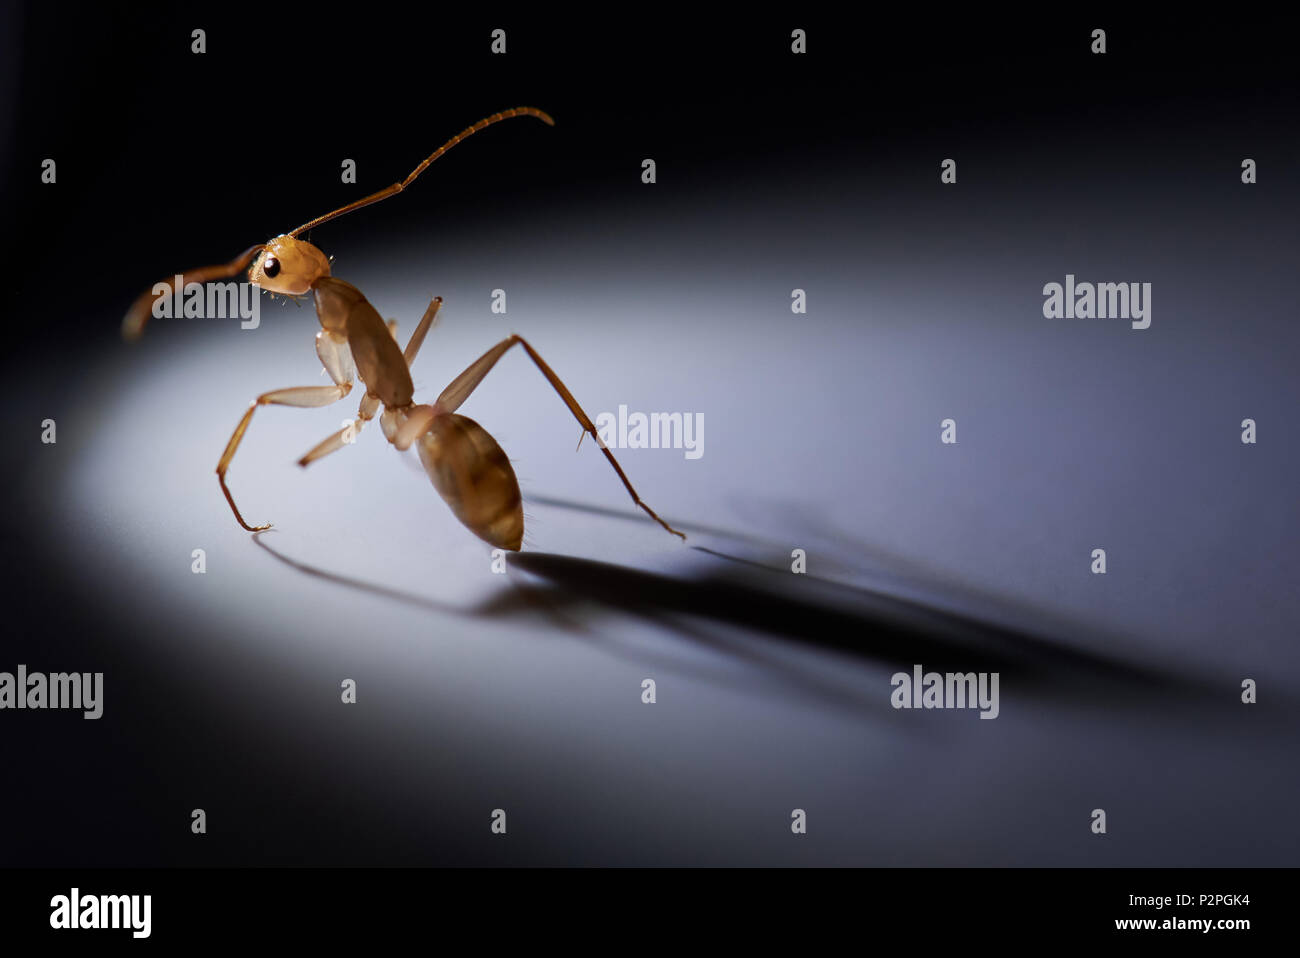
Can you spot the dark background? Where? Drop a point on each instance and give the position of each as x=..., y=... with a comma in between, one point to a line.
x=168, y=161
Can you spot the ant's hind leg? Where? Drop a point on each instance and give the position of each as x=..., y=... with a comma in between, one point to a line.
x=454, y=395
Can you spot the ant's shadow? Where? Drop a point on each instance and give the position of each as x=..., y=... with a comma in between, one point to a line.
x=814, y=637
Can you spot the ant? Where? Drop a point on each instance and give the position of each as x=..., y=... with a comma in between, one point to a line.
x=465, y=464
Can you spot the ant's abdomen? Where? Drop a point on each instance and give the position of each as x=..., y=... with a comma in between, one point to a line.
x=475, y=478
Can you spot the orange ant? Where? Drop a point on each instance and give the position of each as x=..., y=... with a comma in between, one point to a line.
x=466, y=465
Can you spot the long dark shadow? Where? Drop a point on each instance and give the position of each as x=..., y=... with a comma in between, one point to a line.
x=522, y=600
x=871, y=623
x=871, y=627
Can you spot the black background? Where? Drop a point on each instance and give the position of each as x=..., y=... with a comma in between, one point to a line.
x=169, y=160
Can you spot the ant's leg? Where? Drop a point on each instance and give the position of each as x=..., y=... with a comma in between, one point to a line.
x=426, y=323
x=454, y=395
x=365, y=412
x=337, y=359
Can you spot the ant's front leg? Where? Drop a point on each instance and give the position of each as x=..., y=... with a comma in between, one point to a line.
x=333, y=351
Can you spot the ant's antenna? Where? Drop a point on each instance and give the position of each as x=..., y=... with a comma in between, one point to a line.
x=138, y=315
x=140, y=311
x=398, y=187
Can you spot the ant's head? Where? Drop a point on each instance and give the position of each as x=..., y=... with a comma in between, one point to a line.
x=289, y=266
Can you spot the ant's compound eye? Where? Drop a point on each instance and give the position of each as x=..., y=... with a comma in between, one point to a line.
x=271, y=267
